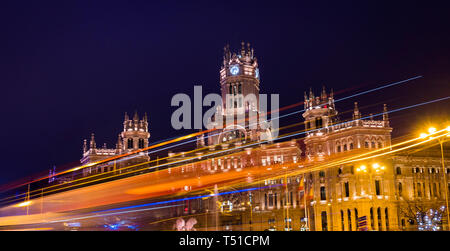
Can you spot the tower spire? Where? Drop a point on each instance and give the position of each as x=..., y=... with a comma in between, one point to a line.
x=356, y=114
x=145, y=117
x=136, y=116
x=385, y=115
x=226, y=54
x=305, y=103
x=84, y=145
x=242, y=49
x=92, y=143
x=119, y=143
x=324, y=94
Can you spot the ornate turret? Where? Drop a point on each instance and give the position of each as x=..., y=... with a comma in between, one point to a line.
x=324, y=101
x=319, y=111
x=356, y=113
x=134, y=136
x=92, y=144
x=119, y=143
x=239, y=76
x=135, y=132
x=385, y=115
x=85, y=146
x=239, y=81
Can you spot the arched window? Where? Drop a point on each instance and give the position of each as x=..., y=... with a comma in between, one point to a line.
x=379, y=219
x=345, y=147
x=400, y=188
x=141, y=143
x=372, y=222
x=380, y=145
x=399, y=170
x=130, y=144
x=373, y=144
x=356, y=218
x=386, y=214
x=342, y=220
x=349, y=220
x=318, y=122
x=351, y=145
x=324, y=221
x=339, y=148
x=366, y=144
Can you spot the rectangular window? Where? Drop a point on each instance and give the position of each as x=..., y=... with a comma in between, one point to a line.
x=379, y=219
x=377, y=187
x=372, y=222
x=347, y=189
x=270, y=200
x=324, y=221
x=350, y=228
x=323, y=195
x=386, y=214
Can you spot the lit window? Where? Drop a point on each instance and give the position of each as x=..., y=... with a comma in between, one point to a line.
x=323, y=195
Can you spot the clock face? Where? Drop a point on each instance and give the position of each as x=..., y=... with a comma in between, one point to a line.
x=257, y=73
x=234, y=70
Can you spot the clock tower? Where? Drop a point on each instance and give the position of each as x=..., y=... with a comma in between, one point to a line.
x=239, y=85
x=239, y=77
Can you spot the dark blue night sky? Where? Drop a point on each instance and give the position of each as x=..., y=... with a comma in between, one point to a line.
x=69, y=68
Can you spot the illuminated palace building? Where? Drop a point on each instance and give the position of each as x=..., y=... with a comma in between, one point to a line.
x=405, y=191
x=134, y=136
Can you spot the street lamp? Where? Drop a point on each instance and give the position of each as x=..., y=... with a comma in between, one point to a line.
x=433, y=130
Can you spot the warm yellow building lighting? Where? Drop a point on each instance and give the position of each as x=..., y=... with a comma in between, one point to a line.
x=431, y=130
x=24, y=204
x=423, y=135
